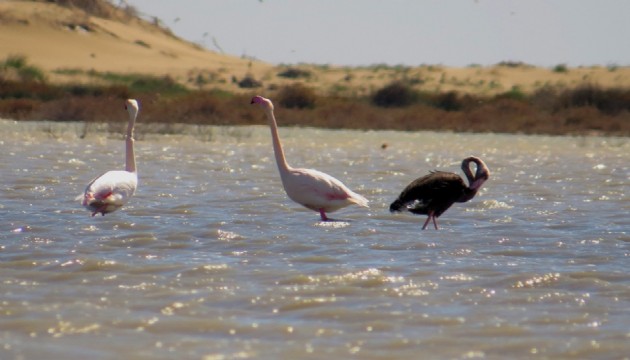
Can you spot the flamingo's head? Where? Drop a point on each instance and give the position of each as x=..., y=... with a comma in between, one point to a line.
x=87, y=198
x=131, y=105
x=482, y=174
x=266, y=103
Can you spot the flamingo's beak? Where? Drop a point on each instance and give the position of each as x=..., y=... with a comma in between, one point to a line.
x=87, y=198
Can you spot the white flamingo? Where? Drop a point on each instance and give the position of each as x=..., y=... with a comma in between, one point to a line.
x=110, y=191
x=311, y=188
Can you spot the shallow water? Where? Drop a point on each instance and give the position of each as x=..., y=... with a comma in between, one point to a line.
x=210, y=260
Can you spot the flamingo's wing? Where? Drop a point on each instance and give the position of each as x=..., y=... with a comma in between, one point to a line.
x=112, y=188
x=436, y=191
x=315, y=189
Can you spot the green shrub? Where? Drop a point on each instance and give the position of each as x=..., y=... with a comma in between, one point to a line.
x=513, y=64
x=142, y=43
x=248, y=82
x=163, y=85
x=297, y=96
x=396, y=94
x=69, y=71
x=561, y=68
x=114, y=91
x=100, y=8
x=139, y=83
x=31, y=73
x=295, y=73
x=609, y=101
x=448, y=101
x=515, y=94
x=14, y=62
x=18, y=64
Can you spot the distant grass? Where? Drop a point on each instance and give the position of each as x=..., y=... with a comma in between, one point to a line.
x=136, y=83
x=513, y=64
x=100, y=8
x=551, y=109
x=82, y=90
x=18, y=64
x=139, y=83
x=15, y=62
x=69, y=71
x=295, y=73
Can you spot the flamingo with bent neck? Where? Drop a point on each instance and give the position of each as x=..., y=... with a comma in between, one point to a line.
x=310, y=188
x=110, y=191
x=433, y=194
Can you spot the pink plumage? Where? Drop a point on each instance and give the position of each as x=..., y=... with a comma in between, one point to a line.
x=312, y=189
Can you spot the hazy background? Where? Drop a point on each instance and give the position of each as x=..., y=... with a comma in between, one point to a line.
x=409, y=32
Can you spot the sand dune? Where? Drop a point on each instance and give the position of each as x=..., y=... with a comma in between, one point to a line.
x=53, y=37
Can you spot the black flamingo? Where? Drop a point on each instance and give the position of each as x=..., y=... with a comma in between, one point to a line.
x=433, y=194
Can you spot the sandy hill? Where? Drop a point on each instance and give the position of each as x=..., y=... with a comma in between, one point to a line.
x=62, y=40
x=55, y=37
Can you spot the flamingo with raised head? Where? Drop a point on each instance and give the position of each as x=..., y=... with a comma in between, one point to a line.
x=110, y=191
x=310, y=188
x=433, y=194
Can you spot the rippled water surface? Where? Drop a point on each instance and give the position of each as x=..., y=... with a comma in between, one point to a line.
x=210, y=260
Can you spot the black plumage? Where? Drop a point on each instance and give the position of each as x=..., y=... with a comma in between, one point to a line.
x=434, y=193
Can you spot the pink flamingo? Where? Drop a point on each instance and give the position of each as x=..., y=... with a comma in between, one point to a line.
x=433, y=194
x=310, y=188
x=110, y=191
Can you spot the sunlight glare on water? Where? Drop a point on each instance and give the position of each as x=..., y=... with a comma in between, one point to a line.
x=210, y=260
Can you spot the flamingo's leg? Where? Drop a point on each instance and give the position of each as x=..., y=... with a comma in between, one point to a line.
x=426, y=222
x=322, y=213
x=100, y=209
x=431, y=216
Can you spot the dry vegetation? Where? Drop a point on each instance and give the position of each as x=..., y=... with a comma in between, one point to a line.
x=26, y=95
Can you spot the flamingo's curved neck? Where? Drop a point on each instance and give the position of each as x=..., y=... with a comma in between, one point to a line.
x=467, y=172
x=277, y=146
x=130, y=160
x=481, y=174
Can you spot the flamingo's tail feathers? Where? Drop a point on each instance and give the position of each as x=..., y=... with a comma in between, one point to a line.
x=359, y=200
